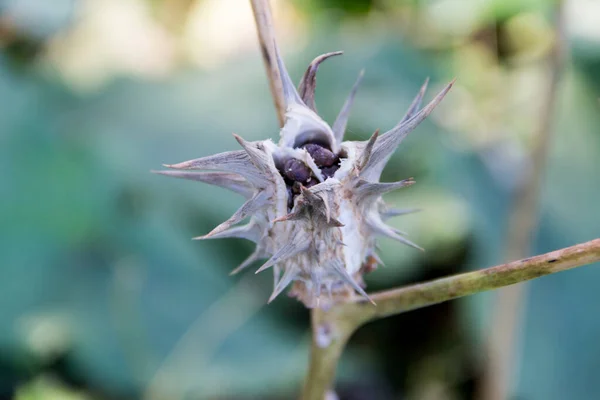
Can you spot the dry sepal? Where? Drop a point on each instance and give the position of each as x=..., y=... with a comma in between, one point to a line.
x=313, y=201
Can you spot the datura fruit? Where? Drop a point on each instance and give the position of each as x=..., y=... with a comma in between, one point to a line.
x=314, y=205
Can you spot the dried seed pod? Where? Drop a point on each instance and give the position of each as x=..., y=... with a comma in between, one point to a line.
x=314, y=202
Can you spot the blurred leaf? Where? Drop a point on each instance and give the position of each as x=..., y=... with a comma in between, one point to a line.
x=48, y=389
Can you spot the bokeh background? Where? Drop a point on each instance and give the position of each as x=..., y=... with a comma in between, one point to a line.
x=104, y=296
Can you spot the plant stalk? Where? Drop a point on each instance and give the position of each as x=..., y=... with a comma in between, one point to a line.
x=333, y=328
x=266, y=40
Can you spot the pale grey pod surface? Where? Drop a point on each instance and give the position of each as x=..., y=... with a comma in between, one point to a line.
x=317, y=235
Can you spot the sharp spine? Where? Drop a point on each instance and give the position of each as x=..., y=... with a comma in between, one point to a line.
x=288, y=276
x=288, y=250
x=231, y=161
x=255, y=256
x=373, y=190
x=250, y=231
x=308, y=84
x=256, y=203
x=382, y=229
x=416, y=103
x=366, y=154
x=227, y=180
x=290, y=95
x=395, y=212
x=389, y=141
x=339, y=126
x=343, y=273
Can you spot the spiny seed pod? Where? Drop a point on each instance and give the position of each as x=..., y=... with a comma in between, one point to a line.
x=314, y=202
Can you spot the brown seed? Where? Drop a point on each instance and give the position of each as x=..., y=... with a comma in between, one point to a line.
x=311, y=182
x=322, y=156
x=328, y=172
x=296, y=170
x=290, y=193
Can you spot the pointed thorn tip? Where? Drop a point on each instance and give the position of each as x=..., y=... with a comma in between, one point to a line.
x=203, y=237
x=281, y=219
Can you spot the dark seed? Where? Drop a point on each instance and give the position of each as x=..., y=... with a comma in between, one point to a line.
x=296, y=187
x=322, y=156
x=310, y=183
x=328, y=172
x=290, y=194
x=296, y=170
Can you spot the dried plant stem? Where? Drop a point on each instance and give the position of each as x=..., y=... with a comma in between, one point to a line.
x=509, y=303
x=266, y=39
x=332, y=328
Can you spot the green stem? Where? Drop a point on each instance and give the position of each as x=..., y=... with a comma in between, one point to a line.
x=332, y=328
x=328, y=341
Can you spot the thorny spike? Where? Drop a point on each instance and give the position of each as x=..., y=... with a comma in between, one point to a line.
x=328, y=201
x=399, y=232
x=288, y=276
x=339, y=126
x=416, y=103
x=276, y=275
x=290, y=95
x=394, y=212
x=288, y=250
x=310, y=202
x=339, y=268
x=387, y=143
x=293, y=216
x=382, y=229
x=333, y=223
x=297, y=214
x=250, y=231
x=250, y=207
x=377, y=259
x=227, y=180
x=366, y=154
x=232, y=161
x=256, y=153
x=308, y=84
x=310, y=197
x=319, y=206
x=255, y=256
x=372, y=190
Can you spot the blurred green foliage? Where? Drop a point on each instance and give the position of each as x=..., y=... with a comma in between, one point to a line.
x=101, y=286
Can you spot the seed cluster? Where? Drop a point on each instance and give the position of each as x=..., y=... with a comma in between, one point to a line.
x=297, y=174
